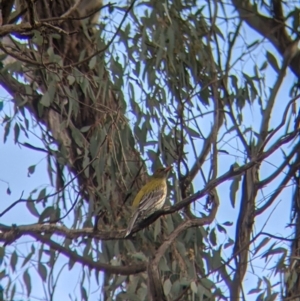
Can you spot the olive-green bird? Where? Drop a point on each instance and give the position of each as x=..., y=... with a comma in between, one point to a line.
x=150, y=198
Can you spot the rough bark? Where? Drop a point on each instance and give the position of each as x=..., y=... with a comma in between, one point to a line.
x=102, y=157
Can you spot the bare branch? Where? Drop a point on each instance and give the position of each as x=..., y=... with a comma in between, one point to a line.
x=104, y=267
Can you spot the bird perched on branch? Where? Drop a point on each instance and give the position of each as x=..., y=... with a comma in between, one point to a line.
x=150, y=198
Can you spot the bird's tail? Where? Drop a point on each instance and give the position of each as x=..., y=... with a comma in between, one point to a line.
x=132, y=222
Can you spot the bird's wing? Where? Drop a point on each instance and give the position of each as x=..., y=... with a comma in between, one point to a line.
x=151, y=198
x=132, y=222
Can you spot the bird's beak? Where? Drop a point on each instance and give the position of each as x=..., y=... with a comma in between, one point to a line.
x=168, y=168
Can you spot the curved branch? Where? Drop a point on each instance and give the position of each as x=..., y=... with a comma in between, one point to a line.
x=270, y=105
x=270, y=28
x=103, y=267
x=282, y=185
x=153, y=268
x=282, y=123
x=12, y=28
x=279, y=169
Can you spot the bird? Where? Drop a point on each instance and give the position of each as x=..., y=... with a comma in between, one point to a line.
x=150, y=198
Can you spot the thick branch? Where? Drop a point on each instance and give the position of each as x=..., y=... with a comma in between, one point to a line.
x=269, y=28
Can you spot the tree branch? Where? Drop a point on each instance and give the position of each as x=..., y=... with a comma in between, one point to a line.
x=113, y=235
x=270, y=28
x=103, y=267
x=153, y=268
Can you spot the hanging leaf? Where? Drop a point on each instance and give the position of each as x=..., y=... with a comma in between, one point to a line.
x=27, y=281
x=213, y=237
x=273, y=61
x=234, y=187
x=14, y=261
x=42, y=271
x=261, y=244
x=31, y=170
x=8, y=191
x=167, y=287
